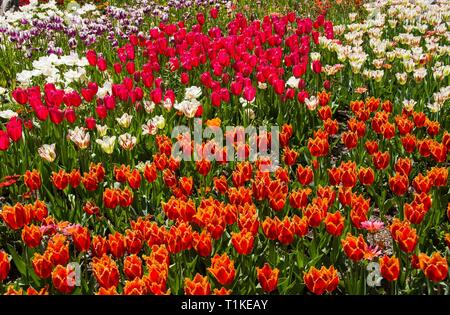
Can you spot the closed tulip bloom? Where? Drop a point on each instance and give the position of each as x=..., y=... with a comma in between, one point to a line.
x=31, y=235
x=134, y=179
x=42, y=265
x=58, y=250
x=16, y=216
x=60, y=180
x=63, y=279
x=116, y=244
x=222, y=268
x=322, y=280
x=32, y=179
x=106, y=272
x=414, y=212
x=366, y=176
x=399, y=184
x=348, y=178
x=421, y=183
x=403, y=166
x=110, y=198
x=133, y=243
x=14, y=128
x=404, y=235
x=371, y=147
x=132, y=267
x=435, y=267
x=81, y=239
x=150, y=172
x=197, y=286
x=286, y=231
x=270, y=226
x=243, y=242
x=381, y=160
x=4, y=265
x=304, y=175
x=299, y=199
x=354, y=247
x=350, y=139
x=202, y=243
x=268, y=277
x=389, y=268
x=4, y=141
x=100, y=246
x=408, y=142
x=334, y=223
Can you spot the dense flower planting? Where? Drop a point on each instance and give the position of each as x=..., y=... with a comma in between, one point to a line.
x=94, y=201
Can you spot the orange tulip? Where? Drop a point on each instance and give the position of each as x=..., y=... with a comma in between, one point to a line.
x=58, y=249
x=81, y=239
x=116, y=244
x=322, y=280
x=202, y=243
x=399, y=184
x=74, y=178
x=135, y=287
x=389, y=268
x=243, y=242
x=408, y=142
x=354, y=247
x=414, y=212
x=150, y=172
x=134, y=179
x=404, y=235
x=31, y=235
x=299, y=199
x=381, y=160
x=4, y=265
x=121, y=173
x=125, y=197
x=403, y=166
x=105, y=272
x=42, y=265
x=63, y=279
x=60, y=180
x=198, y=286
x=366, y=176
x=334, y=223
x=100, y=246
x=132, y=267
x=16, y=216
x=421, y=183
x=290, y=156
x=350, y=139
x=371, y=147
x=435, y=267
x=39, y=211
x=110, y=291
x=268, y=277
x=304, y=175
x=91, y=208
x=110, y=198
x=32, y=179
x=270, y=227
x=222, y=268
x=133, y=243
x=222, y=291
